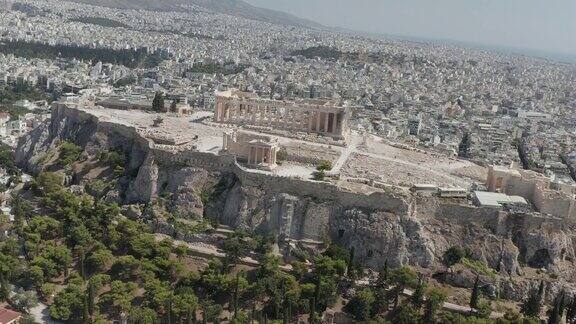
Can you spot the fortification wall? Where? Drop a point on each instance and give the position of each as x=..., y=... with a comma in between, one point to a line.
x=208, y=161
x=466, y=213
x=322, y=190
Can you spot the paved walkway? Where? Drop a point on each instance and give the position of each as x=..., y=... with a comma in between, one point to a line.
x=354, y=140
x=455, y=308
x=41, y=314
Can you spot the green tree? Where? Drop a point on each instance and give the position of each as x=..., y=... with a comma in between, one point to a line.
x=324, y=166
x=157, y=294
x=402, y=278
x=235, y=248
x=464, y=146
x=532, y=305
x=556, y=313
x=120, y=296
x=183, y=303
x=99, y=260
x=158, y=104
x=4, y=287
x=475, y=296
x=434, y=300
x=68, y=304
x=142, y=315
x=406, y=314
x=361, y=305
x=571, y=310
x=69, y=153
x=417, y=298
x=453, y=255
x=24, y=300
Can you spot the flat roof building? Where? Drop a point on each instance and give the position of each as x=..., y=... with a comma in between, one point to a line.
x=495, y=199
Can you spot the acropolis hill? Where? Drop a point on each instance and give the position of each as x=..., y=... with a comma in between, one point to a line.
x=392, y=203
x=366, y=162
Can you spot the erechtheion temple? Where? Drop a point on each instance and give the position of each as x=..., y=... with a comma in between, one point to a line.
x=319, y=116
x=257, y=150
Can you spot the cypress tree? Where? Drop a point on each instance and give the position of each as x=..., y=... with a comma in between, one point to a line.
x=91, y=298
x=158, y=102
x=312, y=310
x=169, y=311
x=85, y=312
x=383, y=276
x=557, y=311
x=317, y=291
x=82, y=257
x=235, y=295
x=475, y=297
x=464, y=146
x=571, y=311
x=532, y=305
x=418, y=295
x=189, y=316
x=4, y=288
x=350, y=265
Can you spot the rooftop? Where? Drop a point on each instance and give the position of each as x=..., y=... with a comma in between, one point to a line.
x=495, y=199
x=8, y=316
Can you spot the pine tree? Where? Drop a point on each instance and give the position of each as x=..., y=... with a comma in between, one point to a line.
x=475, y=297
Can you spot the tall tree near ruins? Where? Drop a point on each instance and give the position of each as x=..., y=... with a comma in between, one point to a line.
x=475, y=297
x=158, y=103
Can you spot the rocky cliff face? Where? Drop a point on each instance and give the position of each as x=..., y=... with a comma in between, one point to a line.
x=416, y=236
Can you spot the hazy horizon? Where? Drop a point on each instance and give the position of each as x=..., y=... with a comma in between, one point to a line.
x=521, y=24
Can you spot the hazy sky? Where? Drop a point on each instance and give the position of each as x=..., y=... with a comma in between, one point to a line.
x=548, y=25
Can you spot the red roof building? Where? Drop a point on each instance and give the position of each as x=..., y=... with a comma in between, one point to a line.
x=8, y=316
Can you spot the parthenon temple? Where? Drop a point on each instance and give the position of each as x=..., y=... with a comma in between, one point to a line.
x=318, y=116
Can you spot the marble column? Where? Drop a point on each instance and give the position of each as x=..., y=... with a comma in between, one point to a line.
x=326, y=122
x=287, y=118
x=335, y=124
x=318, y=115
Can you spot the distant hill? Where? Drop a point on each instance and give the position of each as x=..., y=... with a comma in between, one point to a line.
x=231, y=7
